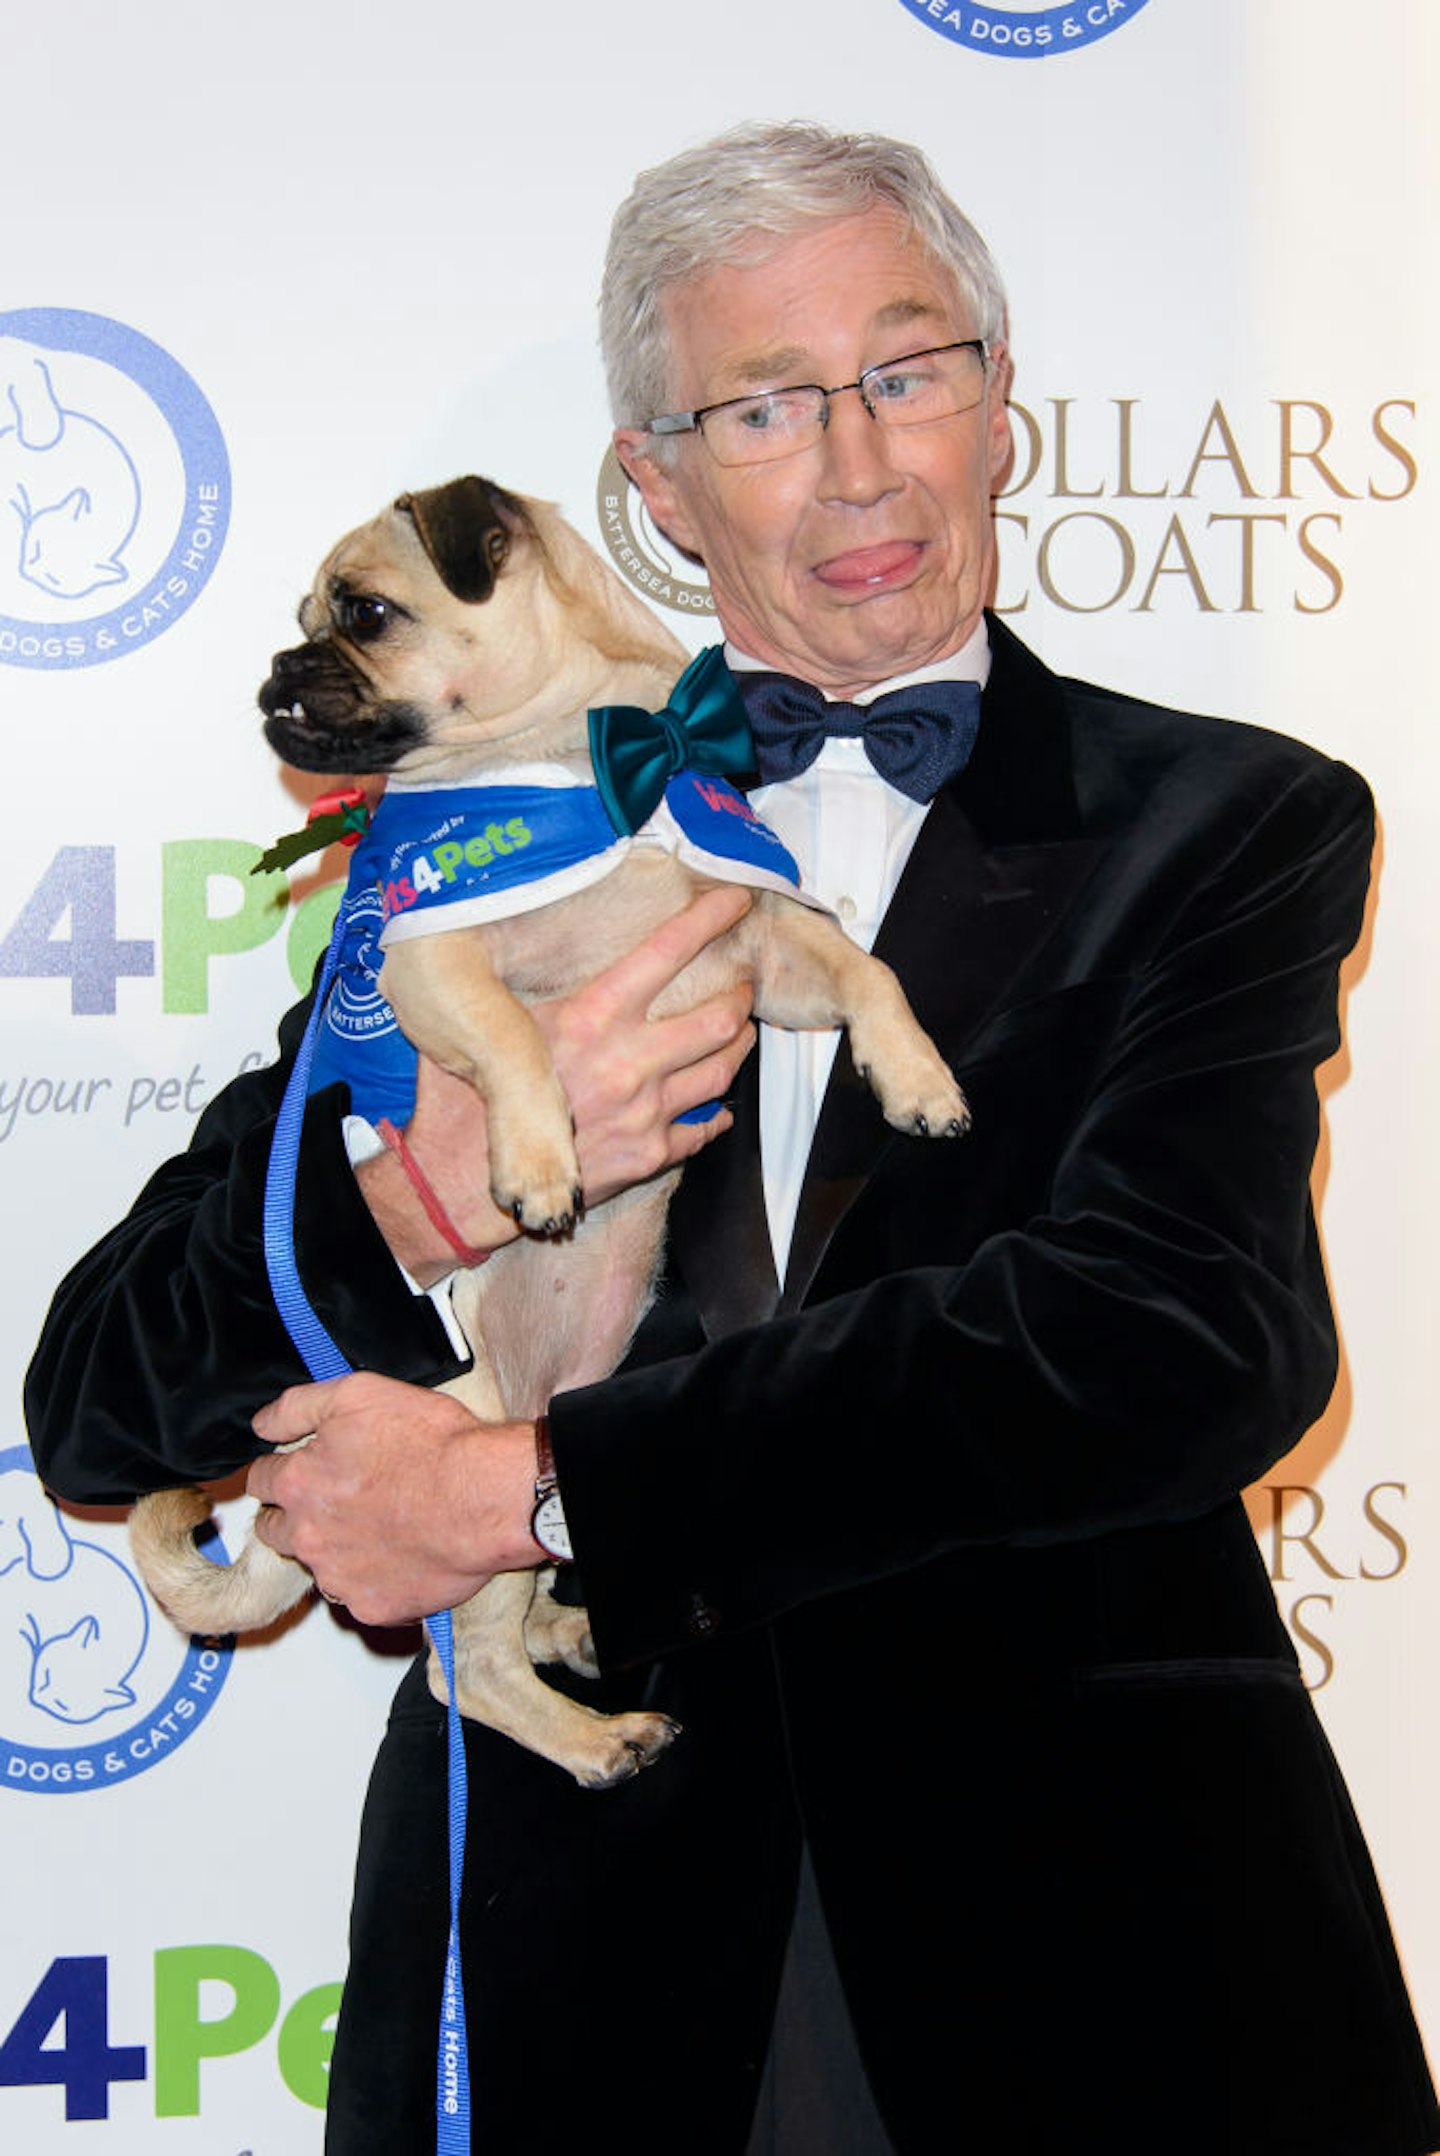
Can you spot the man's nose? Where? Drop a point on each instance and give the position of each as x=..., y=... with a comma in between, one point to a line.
x=857, y=466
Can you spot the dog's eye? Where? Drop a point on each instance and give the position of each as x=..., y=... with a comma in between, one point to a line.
x=497, y=546
x=361, y=616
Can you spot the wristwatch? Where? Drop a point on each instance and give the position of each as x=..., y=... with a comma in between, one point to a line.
x=547, y=1521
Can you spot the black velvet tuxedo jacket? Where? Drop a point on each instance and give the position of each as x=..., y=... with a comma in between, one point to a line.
x=934, y=1547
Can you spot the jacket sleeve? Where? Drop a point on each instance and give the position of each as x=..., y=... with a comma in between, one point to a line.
x=163, y=1341
x=1145, y=1341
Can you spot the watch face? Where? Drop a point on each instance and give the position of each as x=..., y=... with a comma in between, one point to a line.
x=548, y=1526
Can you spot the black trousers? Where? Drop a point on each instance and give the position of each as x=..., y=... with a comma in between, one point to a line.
x=815, y=2098
x=585, y=1990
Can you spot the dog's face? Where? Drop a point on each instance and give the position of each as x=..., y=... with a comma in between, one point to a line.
x=396, y=643
x=464, y=625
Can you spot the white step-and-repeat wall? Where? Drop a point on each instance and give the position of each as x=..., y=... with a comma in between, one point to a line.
x=264, y=268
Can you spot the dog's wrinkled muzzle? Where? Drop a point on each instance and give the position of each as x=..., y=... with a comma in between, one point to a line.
x=319, y=714
x=314, y=682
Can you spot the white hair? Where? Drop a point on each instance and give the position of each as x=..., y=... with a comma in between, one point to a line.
x=706, y=207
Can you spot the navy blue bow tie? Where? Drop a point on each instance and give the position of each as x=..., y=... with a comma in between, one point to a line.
x=917, y=738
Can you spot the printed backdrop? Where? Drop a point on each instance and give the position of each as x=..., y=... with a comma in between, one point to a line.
x=263, y=269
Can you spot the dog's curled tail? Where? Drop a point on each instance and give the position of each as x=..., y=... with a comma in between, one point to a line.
x=200, y=1596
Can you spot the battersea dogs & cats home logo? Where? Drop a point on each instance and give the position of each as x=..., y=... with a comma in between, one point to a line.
x=643, y=556
x=92, y=1689
x=114, y=489
x=1024, y=33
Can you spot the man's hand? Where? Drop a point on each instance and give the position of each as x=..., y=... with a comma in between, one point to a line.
x=627, y=1077
x=402, y=1503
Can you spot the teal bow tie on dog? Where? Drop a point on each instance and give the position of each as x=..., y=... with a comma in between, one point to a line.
x=636, y=753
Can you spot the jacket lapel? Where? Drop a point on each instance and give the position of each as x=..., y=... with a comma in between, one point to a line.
x=719, y=1234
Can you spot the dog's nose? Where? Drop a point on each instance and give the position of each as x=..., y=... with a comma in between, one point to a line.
x=288, y=662
x=281, y=685
x=296, y=668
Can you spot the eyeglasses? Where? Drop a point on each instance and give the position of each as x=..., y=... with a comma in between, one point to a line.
x=939, y=383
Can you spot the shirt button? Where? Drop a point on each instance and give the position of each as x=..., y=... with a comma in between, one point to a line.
x=703, y=1620
x=846, y=908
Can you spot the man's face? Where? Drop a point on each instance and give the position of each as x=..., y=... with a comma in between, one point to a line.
x=870, y=553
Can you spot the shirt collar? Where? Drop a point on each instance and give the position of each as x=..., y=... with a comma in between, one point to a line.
x=970, y=663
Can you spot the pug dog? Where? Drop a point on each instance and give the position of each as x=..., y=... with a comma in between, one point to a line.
x=463, y=642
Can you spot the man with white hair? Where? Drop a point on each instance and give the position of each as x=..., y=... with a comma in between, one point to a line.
x=916, y=1502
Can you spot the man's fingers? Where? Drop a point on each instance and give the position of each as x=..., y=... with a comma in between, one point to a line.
x=294, y=1415
x=688, y=1139
x=717, y=1033
x=701, y=1077
x=635, y=980
x=269, y=1526
x=719, y=1025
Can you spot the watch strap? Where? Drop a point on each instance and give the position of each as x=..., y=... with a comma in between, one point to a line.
x=545, y=1475
x=548, y=1526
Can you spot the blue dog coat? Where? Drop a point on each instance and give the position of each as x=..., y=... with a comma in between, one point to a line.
x=444, y=857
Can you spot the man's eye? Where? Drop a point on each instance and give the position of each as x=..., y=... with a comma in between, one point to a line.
x=362, y=617
x=900, y=383
x=786, y=408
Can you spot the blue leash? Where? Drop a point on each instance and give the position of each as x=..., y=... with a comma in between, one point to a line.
x=323, y=1359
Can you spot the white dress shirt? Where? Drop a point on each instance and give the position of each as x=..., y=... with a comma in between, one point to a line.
x=851, y=833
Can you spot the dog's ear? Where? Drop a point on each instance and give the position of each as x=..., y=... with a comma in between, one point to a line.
x=465, y=527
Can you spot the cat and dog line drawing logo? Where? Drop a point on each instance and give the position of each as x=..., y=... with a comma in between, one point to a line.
x=93, y=1690
x=114, y=489
x=70, y=481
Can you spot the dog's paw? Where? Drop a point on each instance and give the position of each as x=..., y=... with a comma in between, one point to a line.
x=534, y=1168
x=620, y=1746
x=551, y=1213
x=916, y=1089
x=547, y=1204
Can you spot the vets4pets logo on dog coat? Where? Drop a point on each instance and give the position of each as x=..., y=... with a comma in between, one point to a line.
x=93, y=1687
x=114, y=489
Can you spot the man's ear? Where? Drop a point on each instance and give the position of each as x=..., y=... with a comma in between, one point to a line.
x=658, y=490
x=1000, y=443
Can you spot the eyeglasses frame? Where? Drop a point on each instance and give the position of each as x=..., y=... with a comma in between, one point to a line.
x=669, y=423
